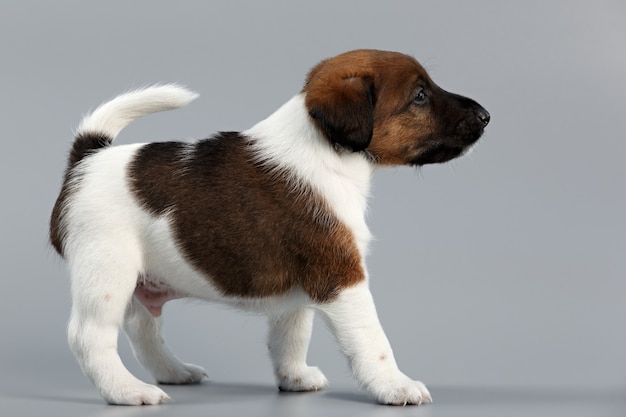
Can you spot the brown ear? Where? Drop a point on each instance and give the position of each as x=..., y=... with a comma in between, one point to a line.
x=343, y=108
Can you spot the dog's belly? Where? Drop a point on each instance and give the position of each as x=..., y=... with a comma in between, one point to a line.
x=167, y=276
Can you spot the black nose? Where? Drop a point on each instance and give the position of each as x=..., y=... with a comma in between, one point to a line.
x=484, y=116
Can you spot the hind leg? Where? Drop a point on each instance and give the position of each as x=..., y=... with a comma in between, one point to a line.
x=101, y=291
x=144, y=332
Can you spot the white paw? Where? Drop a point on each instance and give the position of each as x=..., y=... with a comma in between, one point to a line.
x=136, y=394
x=400, y=391
x=183, y=373
x=308, y=378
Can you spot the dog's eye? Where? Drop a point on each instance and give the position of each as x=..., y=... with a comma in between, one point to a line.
x=420, y=97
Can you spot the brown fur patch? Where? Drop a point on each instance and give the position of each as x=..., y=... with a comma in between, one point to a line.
x=241, y=223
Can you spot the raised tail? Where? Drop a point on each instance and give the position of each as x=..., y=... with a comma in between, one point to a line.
x=101, y=127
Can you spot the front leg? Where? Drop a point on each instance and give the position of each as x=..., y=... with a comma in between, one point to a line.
x=353, y=320
x=288, y=344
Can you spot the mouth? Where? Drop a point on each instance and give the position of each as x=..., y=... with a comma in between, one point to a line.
x=440, y=150
x=438, y=154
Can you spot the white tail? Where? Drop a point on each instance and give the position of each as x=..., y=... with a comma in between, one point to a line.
x=113, y=116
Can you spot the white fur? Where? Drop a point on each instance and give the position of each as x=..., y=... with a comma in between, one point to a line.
x=111, y=241
x=353, y=320
x=289, y=139
x=288, y=343
x=113, y=116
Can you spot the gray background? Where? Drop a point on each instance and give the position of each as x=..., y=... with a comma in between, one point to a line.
x=500, y=278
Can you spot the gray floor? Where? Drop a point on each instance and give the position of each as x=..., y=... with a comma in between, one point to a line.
x=54, y=386
x=240, y=399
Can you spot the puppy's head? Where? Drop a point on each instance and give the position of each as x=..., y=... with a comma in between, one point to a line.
x=386, y=104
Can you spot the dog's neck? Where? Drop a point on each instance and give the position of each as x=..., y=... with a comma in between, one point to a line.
x=289, y=139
